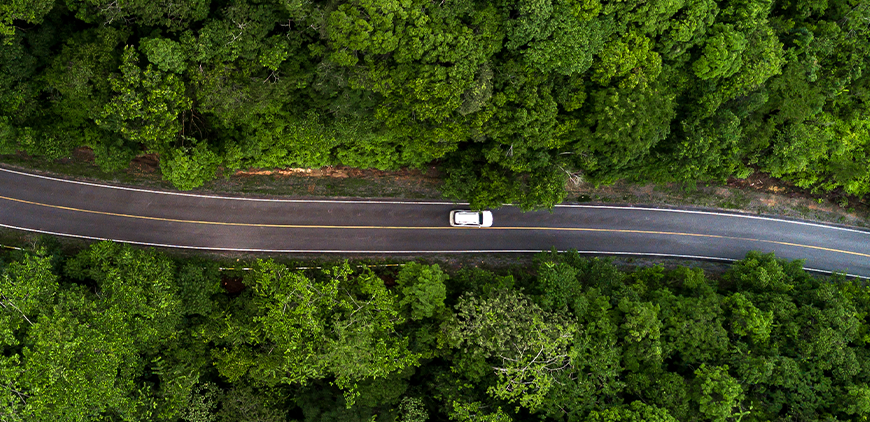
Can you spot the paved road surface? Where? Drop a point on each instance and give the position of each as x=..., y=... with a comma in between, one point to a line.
x=172, y=219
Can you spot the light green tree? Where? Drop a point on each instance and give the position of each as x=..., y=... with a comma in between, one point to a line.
x=166, y=54
x=27, y=289
x=722, y=53
x=188, y=168
x=30, y=11
x=422, y=290
x=526, y=347
x=339, y=327
x=476, y=411
x=720, y=395
x=637, y=411
x=146, y=105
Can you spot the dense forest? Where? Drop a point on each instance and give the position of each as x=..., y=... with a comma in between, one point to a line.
x=116, y=333
x=511, y=98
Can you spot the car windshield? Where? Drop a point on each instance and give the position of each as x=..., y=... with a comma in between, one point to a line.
x=480, y=218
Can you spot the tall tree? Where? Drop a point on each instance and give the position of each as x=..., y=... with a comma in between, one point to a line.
x=524, y=346
x=342, y=327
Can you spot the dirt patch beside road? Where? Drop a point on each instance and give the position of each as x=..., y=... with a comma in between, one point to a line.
x=758, y=194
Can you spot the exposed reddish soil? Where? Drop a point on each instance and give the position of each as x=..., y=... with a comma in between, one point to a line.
x=150, y=163
x=764, y=183
x=146, y=163
x=342, y=172
x=84, y=154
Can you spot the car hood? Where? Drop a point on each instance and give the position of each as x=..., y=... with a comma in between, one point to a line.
x=487, y=219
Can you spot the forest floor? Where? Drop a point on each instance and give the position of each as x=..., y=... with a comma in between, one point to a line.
x=757, y=194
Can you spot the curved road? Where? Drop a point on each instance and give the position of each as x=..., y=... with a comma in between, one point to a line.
x=172, y=219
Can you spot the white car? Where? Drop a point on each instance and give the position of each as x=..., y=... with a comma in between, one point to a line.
x=467, y=218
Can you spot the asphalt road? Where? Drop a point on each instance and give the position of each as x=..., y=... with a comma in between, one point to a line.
x=173, y=219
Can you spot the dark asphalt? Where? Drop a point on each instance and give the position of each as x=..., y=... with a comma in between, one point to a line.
x=180, y=220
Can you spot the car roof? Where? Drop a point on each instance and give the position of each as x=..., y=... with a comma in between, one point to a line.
x=467, y=217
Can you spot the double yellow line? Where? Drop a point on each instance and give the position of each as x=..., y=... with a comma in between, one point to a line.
x=301, y=226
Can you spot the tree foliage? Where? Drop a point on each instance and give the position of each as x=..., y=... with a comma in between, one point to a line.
x=509, y=98
x=342, y=326
x=118, y=333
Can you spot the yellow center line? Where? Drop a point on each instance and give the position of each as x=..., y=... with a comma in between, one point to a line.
x=315, y=226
